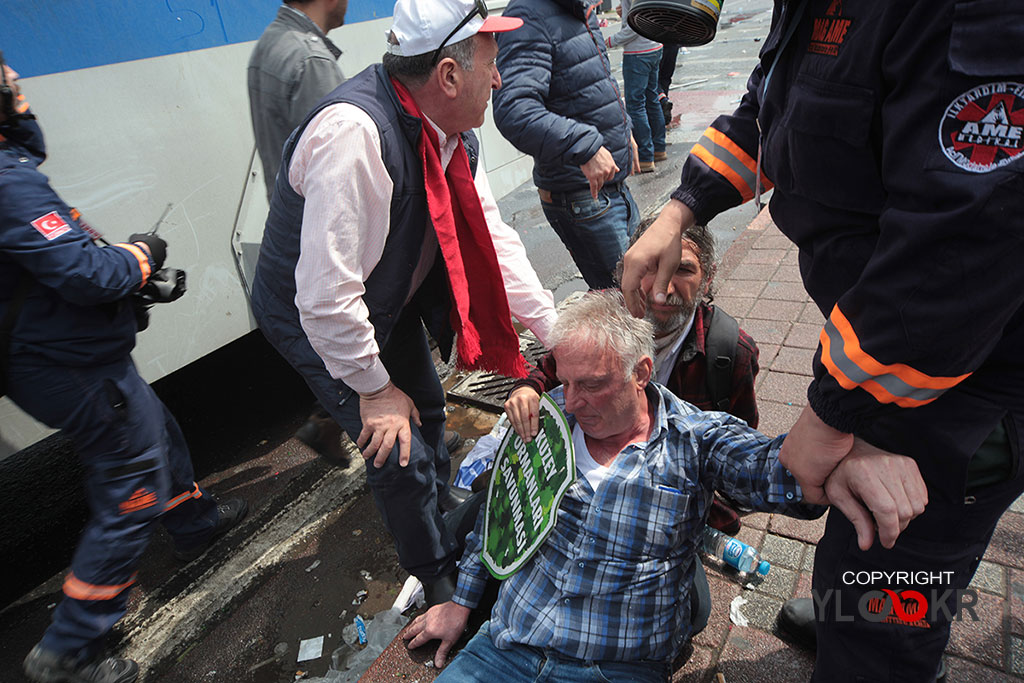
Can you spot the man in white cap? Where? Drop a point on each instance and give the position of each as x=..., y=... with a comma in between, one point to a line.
x=381, y=223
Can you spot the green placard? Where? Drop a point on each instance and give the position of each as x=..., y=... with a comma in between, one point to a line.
x=526, y=488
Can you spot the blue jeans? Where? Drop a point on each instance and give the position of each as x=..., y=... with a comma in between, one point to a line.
x=640, y=81
x=480, y=660
x=595, y=231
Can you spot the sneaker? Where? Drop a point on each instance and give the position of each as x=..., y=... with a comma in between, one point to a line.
x=46, y=666
x=323, y=435
x=230, y=513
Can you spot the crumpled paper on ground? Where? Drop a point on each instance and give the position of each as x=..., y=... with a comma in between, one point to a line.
x=735, y=615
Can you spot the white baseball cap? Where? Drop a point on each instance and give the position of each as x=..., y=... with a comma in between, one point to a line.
x=421, y=26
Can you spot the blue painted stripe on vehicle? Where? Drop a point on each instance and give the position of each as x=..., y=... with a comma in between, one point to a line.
x=53, y=36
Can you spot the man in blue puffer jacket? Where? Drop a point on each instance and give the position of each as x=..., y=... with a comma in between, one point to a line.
x=561, y=106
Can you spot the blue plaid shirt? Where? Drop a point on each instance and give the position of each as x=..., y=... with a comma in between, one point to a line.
x=613, y=580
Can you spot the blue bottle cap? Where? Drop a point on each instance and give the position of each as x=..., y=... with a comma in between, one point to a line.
x=763, y=568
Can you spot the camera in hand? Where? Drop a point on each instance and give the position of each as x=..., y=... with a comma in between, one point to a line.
x=163, y=286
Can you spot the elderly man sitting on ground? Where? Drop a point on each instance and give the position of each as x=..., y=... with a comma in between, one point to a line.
x=616, y=590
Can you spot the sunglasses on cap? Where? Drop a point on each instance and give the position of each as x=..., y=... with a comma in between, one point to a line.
x=479, y=8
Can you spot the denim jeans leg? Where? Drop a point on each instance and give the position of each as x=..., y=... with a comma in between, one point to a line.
x=595, y=231
x=480, y=660
x=635, y=77
x=655, y=115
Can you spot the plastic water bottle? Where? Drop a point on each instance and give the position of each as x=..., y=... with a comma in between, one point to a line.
x=733, y=552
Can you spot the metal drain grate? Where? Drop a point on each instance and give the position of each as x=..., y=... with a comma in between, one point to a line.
x=488, y=390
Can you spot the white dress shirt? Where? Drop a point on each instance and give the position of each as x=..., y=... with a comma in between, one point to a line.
x=338, y=169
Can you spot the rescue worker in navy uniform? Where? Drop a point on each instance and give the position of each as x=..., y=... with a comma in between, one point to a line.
x=894, y=135
x=68, y=366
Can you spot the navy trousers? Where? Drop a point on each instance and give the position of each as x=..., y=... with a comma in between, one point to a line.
x=860, y=638
x=137, y=471
x=405, y=496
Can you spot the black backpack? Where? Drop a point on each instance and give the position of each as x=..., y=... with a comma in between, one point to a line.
x=720, y=352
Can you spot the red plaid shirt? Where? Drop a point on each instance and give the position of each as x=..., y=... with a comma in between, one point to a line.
x=689, y=379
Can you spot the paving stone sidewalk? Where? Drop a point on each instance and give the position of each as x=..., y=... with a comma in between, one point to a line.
x=759, y=283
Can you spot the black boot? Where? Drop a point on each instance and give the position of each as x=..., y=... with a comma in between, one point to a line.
x=452, y=441
x=230, y=513
x=46, y=666
x=796, y=622
x=323, y=435
x=439, y=590
x=453, y=498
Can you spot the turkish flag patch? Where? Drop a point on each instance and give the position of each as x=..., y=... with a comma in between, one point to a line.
x=51, y=226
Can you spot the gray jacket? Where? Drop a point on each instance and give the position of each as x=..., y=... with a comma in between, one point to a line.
x=629, y=40
x=292, y=66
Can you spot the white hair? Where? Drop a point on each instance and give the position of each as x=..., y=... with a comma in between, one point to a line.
x=601, y=318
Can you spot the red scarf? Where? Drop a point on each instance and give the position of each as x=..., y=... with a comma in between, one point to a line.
x=480, y=314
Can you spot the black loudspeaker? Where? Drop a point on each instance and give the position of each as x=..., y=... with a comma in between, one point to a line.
x=681, y=22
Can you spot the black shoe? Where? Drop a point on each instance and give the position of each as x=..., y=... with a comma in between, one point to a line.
x=796, y=622
x=453, y=499
x=452, y=440
x=45, y=666
x=439, y=590
x=229, y=514
x=323, y=435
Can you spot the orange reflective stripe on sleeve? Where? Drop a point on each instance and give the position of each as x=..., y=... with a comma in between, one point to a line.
x=80, y=590
x=852, y=367
x=140, y=255
x=179, y=499
x=729, y=160
x=720, y=140
x=724, y=170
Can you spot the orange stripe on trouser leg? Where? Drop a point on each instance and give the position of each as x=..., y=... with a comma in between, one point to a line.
x=140, y=500
x=188, y=495
x=80, y=590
